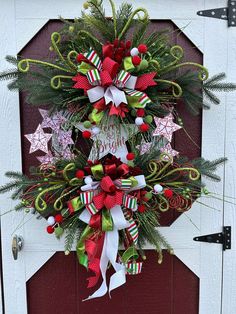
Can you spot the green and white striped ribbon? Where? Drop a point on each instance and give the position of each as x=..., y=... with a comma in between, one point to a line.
x=130, y=202
x=86, y=197
x=134, y=268
x=123, y=184
x=91, y=208
x=122, y=78
x=94, y=77
x=143, y=100
x=132, y=229
x=93, y=57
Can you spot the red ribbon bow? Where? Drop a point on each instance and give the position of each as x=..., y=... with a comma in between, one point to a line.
x=110, y=195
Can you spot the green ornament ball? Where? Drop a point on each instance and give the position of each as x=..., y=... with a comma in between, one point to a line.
x=40, y=189
x=45, y=179
x=27, y=210
x=58, y=231
x=148, y=119
x=148, y=195
x=144, y=64
x=87, y=124
x=133, y=113
x=71, y=29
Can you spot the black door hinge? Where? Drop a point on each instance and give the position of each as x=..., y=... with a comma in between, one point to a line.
x=221, y=238
x=227, y=13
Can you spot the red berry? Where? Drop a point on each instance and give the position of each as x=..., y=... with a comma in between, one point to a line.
x=168, y=193
x=80, y=57
x=141, y=208
x=58, y=218
x=116, y=42
x=144, y=127
x=122, y=44
x=130, y=156
x=86, y=134
x=140, y=112
x=50, y=229
x=79, y=174
x=136, y=60
x=128, y=44
x=142, y=48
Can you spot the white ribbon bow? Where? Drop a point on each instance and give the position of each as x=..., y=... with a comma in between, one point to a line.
x=111, y=93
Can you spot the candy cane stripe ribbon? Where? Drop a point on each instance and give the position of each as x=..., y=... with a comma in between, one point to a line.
x=133, y=268
x=132, y=229
x=93, y=58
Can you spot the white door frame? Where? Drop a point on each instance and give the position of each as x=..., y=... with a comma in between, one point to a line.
x=20, y=20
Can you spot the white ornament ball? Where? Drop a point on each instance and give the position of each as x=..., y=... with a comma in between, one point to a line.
x=134, y=52
x=88, y=180
x=139, y=121
x=51, y=220
x=158, y=188
x=96, y=130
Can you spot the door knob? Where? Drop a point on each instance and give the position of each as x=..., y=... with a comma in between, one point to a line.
x=17, y=244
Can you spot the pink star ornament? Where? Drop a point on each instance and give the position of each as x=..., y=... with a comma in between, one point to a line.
x=38, y=140
x=46, y=159
x=54, y=122
x=165, y=127
x=169, y=151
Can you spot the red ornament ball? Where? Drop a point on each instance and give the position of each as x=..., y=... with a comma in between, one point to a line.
x=144, y=127
x=79, y=174
x=130, y=156
x=136, y=60
x=140, y=112
x=80, y=57
x=50, y=229
x=86, y=134
x=168, y=193
x=58, y=218
x=142, y=48
x=141, y=208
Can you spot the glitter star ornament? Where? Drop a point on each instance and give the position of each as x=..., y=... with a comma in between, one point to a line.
x=46, y=159
x=169, y=151
x=54, y=122
x=64, y=138
x=165, y=127
x=38, y=140
x=144, y=147
x=111, y=139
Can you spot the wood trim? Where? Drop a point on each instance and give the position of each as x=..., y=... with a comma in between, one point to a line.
x=229, y=257
x=10, y=158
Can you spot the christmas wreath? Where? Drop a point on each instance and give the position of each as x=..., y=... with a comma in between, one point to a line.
x=121, y=91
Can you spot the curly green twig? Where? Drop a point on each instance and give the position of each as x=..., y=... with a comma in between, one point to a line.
x=41, y=207
x=89, y=35
x=177, y=53
x=69, y=167
x=145, y=17
x=58, y=200
x=55, y=39
x=56, y=80
x=27, y=62
x=174, y=86
x=202, y=75
x=70, y=54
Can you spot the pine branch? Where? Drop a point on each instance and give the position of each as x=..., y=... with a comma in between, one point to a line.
x=215, y=78
x=207, y=168
x=9, y=74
